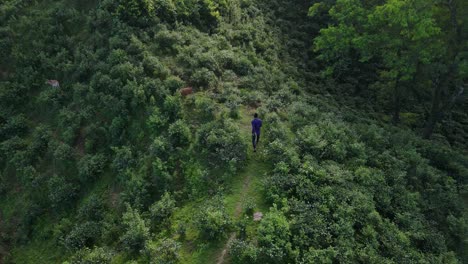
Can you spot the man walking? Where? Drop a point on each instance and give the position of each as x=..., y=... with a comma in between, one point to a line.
x=256, y=125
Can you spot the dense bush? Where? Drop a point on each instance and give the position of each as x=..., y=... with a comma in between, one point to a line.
x=179, y=134
x=243, y=252
x=221, y=144
x=90, y=166
x=161, y=210
x=136, y=233
x=61, y=192
x=165, y=251
x=96, y=255
x=82, y=235
x=343, y=193
x=213, y=221
x=273, y=238
x=93, y=209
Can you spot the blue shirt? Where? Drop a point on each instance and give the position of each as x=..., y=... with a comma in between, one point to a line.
x=256, y=125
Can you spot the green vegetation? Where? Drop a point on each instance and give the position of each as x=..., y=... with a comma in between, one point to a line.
x=362, y=157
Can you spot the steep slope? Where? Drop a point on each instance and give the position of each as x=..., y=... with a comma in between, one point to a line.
x=115, y=166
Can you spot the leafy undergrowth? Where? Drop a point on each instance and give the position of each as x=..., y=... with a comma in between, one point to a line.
x=115, y=166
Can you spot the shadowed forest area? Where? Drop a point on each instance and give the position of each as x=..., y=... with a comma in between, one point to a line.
x=125, y=132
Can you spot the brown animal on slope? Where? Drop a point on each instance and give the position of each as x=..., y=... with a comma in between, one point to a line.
x=186, y=91
x=53, y=83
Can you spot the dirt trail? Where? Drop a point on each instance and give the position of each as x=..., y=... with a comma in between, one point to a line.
x=237, y=214
x=252, y=170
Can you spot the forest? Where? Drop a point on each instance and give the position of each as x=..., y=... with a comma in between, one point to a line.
x=125, y=131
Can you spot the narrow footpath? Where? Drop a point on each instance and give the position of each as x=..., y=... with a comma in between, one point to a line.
x=248, y=185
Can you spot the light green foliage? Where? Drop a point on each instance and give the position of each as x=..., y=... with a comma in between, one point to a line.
x=136, y=233
x=273, y=237
x=213, y=220
x=161, y=210
x=205, y=109
x=401, y=33
x=243, y=252
x=96, y=255
x=165, y=251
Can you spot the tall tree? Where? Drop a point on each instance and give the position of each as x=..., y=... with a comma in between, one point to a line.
x=451, y=70
x=397, y=34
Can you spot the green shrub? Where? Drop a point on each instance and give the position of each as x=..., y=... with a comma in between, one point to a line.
x=274, y=238
x=136, y=233
x=161, y=210
x=242, y=252
x=213, y=221
x=279, y=151
x=96, y=255
x=221, y=144
x=204, y=109
x=123, y=159
x=325, y=256
x=82, y=235
x=154, y=67
x=204, y=79
x=135, y=189
x=63, y=152
x=179, y=134
x=160, y=147
x=249, y=206
x=61, y=192
x=136, y=12
x=93, y=209
x=172, y=108
x=90, y=166
x=165, y=251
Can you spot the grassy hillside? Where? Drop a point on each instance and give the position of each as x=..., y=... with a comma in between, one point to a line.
x=116, y=166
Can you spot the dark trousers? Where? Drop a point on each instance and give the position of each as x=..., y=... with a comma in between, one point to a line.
x=255, y=139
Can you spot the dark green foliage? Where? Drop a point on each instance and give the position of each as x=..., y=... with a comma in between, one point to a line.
x=179, y=134
x=123, y=159
x=93, y=209
x=61, y=192
x=90, y=166
x=82, y=235
x=221, y=144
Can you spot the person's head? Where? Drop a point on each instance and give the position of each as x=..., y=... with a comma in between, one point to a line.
x=255, y=115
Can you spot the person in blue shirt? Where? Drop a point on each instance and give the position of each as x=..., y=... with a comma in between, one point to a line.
x=256, y=125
